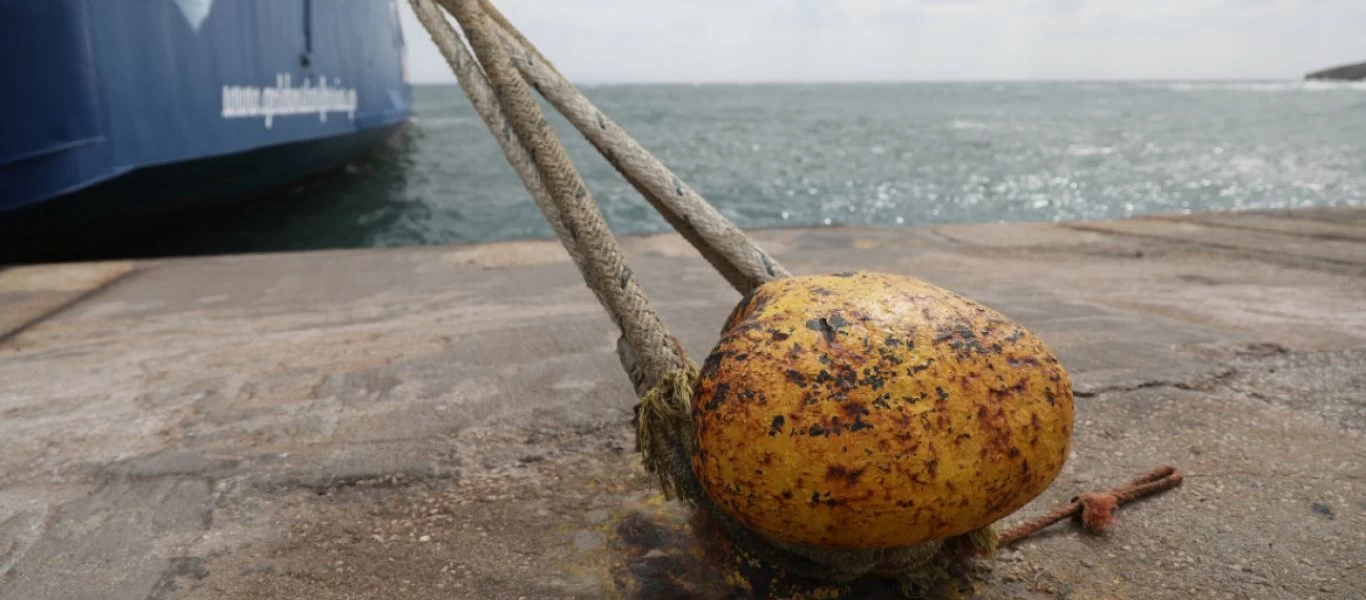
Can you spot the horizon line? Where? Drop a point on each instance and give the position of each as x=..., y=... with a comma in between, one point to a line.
x=905, y=81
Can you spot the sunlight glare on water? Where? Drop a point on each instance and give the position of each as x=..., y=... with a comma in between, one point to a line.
x=866, y=154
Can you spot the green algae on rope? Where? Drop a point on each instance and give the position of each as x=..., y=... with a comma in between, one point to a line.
x=661, y=418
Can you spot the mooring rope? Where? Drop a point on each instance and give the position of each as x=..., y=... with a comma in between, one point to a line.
x=604, y=266
x=662, y=402
x=652, y=357
x=733, y=253
x=480, y=93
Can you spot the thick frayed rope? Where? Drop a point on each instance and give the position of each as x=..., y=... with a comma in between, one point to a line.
x=662, y=416
x=729, y=250
x=604, y=266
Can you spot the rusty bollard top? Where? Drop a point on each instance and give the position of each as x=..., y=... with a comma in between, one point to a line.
x=867, y=410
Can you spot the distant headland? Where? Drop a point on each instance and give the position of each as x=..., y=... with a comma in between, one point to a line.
x=1356, y=72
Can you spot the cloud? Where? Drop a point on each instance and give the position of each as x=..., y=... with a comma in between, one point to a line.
x=844, y=40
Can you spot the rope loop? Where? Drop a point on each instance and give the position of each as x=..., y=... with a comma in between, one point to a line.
x=1096, y=509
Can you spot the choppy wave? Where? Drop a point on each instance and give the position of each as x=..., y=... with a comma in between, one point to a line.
x=440, y=122
x=968, y=124
x=1089, y=150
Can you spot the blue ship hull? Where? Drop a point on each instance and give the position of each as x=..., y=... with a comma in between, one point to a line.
x=120, y=110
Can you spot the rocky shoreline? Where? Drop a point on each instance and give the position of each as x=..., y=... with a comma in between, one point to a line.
x=1353, y=72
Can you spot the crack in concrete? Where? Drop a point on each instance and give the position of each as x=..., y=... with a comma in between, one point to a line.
x=168, y=586
x=1336, y=237
x=377, y=480
x=1287, y=258
x=20, y=533
x=1207, y=383
x=64, y=306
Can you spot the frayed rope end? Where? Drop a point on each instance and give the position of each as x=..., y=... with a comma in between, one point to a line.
x=661, y=417
x=1098, y=510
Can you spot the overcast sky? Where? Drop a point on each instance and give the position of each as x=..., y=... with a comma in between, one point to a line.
x=894, y=40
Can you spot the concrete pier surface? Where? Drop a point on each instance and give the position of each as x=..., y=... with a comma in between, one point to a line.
x=452, y=422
